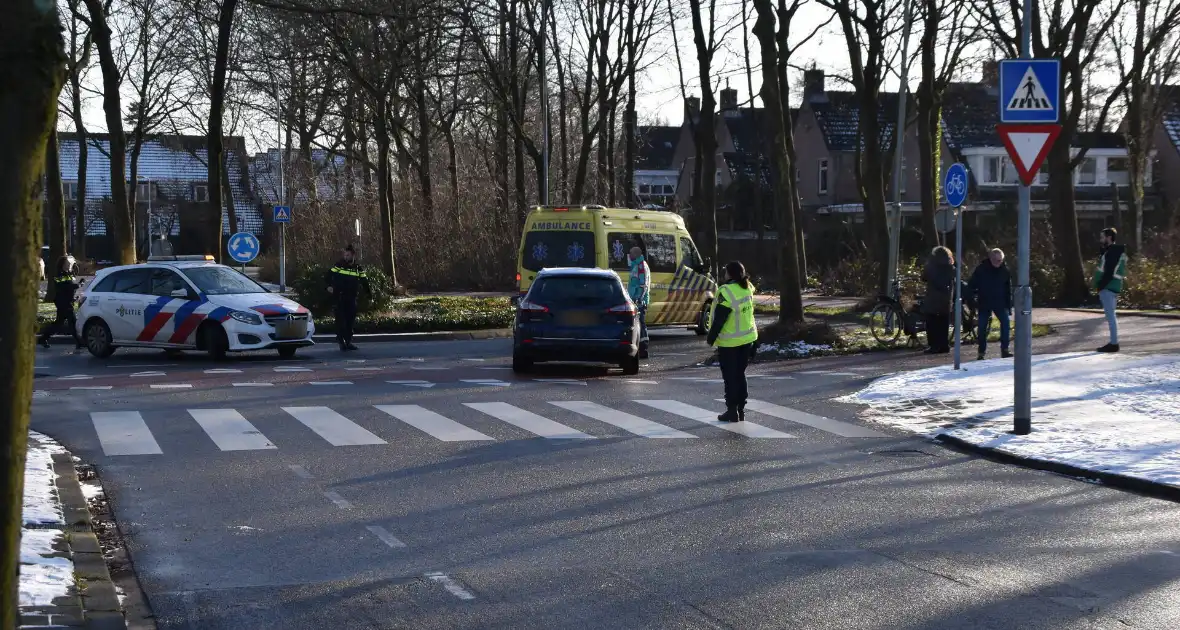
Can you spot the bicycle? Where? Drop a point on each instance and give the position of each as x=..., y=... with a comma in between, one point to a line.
x=889, y=319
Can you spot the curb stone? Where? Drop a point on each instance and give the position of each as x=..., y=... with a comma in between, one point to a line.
x=95, y=604
x=1123, y=482
x=1148, y=314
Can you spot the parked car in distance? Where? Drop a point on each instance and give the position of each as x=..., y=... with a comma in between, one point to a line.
x=579, y=315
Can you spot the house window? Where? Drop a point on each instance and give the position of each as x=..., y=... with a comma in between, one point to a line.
x=1088, y=172
x=1118, y=171
x=644, y=189
x=1042, y=176
x=143, y=192
x=69, y=190
x=992, y=169
x=823, y=177
x=200, y=192
x=669, y=190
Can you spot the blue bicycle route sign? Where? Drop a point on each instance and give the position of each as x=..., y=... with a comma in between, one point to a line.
x=955, y=185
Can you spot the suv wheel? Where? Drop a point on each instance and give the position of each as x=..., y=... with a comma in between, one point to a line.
x=98, y=339
x=630, y=366
x=520, y=364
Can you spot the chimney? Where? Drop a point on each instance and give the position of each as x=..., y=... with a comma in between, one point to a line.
x=813, y=84
x=692, y=109
x=991, y=73
x=729, y=103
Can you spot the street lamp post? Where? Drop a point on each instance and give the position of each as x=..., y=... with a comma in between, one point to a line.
x=899, y=153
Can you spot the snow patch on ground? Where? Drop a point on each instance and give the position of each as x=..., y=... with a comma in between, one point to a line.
x=794, y=349
x=1111, y=413
x=43, y=578
x=41, y=506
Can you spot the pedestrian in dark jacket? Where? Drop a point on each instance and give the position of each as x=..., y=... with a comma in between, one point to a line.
x=939, y=276
x=344, y=281
x=1108, y=282
x=991, y=287
x=65, y=286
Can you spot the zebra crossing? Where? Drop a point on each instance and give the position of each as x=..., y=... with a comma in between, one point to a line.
x=126, y=433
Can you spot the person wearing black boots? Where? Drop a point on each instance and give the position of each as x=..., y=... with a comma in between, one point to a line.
x=65, y=286
x=939, y=276
x=344, y=282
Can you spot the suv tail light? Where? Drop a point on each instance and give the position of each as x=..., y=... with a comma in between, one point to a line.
x=622, y=309
x=533, y=307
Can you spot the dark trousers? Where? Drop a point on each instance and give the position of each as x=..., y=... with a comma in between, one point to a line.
x=985, y=320
x=733, y=369
x=345, y=320
x=66, y=318
x=938, y=334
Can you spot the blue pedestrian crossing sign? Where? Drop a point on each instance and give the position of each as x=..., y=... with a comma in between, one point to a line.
x=1030, y=90
x=955, y=185
x=282, y=214
x=243, y=247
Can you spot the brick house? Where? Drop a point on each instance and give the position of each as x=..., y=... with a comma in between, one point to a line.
x=1166, y=142
x=657, y=173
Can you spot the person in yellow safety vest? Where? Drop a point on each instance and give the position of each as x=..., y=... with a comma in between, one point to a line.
x=735, y=335
x=1108, y=282
x=344, y=282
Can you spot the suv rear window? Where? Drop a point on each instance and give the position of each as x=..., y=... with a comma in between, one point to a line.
x=576, y=291
x=567, y=248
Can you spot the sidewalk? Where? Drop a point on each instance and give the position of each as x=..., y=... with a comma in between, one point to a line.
x=1110, y=417
x=64, y=582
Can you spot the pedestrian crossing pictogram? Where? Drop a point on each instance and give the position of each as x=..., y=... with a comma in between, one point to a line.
x=127, y=433
x=1030, y=96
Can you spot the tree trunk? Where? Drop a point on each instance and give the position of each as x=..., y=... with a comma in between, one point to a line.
x=216, y=150
x=424, y=166
x=384, y=191
x=30, y=80
x=629, y=118
x=790, y=292
x=231, y=213
x=502, y=119
x=704, y=209
x=55, y=211
x=123, y=222
x=929, y=132
x=83, y=154
x=1065, y=224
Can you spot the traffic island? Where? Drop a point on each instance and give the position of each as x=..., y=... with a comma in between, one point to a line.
x=1111, y=418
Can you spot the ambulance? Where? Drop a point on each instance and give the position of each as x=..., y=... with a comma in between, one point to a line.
x=682, y=288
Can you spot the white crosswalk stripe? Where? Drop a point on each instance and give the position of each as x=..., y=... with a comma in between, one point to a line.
x=229, y=430
x=433, y=424
x=748, y=429
x=333, y=427
x=126, y=432
x=624, y=421
x=528, y=421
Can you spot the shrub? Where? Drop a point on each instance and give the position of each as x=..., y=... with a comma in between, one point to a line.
x=434, y=314
x=313, y=293
x=1151, y=284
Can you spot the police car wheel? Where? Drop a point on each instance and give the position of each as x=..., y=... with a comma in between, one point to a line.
x=214, y=341
x=98, y=339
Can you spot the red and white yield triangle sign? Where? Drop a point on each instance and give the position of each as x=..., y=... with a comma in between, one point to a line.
x=1028, y=146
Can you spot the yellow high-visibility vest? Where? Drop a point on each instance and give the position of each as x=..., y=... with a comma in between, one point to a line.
x=739, y=328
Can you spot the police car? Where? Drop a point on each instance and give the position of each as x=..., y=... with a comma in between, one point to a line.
x=188, y=303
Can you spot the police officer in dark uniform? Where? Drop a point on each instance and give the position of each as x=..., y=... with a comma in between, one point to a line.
x=65, y=286
x=344, y=282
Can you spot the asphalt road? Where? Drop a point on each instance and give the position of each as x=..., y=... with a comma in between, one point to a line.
x=424, y=485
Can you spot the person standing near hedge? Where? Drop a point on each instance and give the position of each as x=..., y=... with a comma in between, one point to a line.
x=1108, y=282
x=344, y=281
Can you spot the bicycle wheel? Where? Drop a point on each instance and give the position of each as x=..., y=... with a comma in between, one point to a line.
x=885, y=322
x=970, y=324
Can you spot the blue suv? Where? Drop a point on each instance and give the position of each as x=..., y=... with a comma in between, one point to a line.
x=576, y=314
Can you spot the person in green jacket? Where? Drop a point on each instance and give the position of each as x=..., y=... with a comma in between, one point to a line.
x=1108, y=282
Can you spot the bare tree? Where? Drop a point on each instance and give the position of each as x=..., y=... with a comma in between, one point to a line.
x=30, y=80
x=77, y=61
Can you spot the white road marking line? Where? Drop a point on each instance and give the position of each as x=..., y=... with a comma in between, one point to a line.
x=451, y=585
x=171, y=386
x=252, y=384
x=485, y=381
x=223, y=371
x=422, y=384
x=135, y=374
x=124, y=433
x=473, y=359
x=747, y=428
x=771, y=378
x=843, y=429
x=291, y=369
x=330, y=383
x=340, y=501
x=40, y=367
x=622, y=420
x=40, y=393
x=333, y=427
x=355, y=360
x=528, y=421
x=300, y=471
x=828, y=373
x=499, y=367
x=414, y=359
x=230, y=431
x=638, y=382
x=75, y=377
x=559, y=381
x=386, y=537
x=433, y=424
x=145, y=365
x=361, y=369
x=424, y=368
x=91, y=387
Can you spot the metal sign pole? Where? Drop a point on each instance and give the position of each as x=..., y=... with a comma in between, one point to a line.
x=282, y=257
x=1022, y=389
x=958, y=285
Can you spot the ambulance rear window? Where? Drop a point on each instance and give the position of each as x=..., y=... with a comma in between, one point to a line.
x=558, y=249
